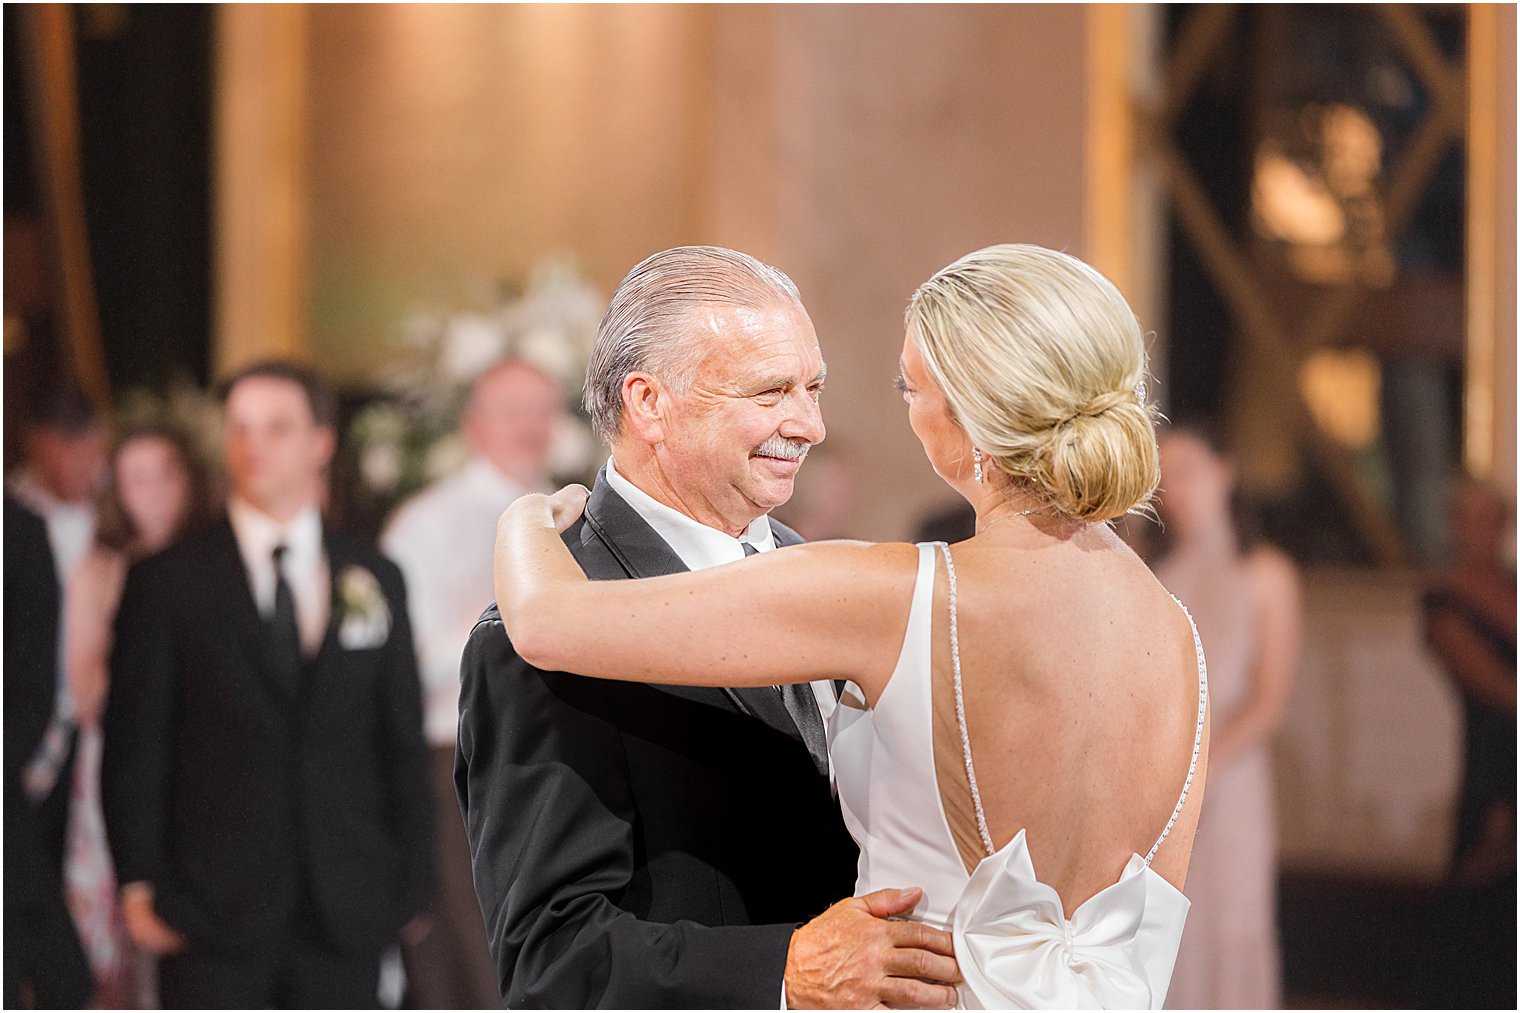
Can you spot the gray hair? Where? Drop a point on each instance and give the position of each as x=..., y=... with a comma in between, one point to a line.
x=647, y=327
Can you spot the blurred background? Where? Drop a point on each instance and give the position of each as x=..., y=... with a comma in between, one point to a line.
x=1310, y=207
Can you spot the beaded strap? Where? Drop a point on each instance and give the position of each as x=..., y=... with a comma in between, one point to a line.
x=960, y=706
x=960, y=717
x=1203, y=699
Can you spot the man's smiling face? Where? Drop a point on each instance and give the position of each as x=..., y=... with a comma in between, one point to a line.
x=735, y=438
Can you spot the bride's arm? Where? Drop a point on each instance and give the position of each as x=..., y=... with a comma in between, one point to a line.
x=822, y=611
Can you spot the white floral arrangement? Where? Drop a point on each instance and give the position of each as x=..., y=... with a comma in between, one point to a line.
x=364, y=615
x=409, y=437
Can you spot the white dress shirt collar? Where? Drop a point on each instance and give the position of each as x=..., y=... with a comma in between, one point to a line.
x=698, y=545
x=70, y=526
x=258, y=533
x=305, y=564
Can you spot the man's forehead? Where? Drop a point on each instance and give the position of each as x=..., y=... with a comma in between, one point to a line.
x=747, y=337
x=725, y=318
x=267, y=394
x=510, y=378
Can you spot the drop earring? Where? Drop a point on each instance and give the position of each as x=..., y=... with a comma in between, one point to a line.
x=976, y=463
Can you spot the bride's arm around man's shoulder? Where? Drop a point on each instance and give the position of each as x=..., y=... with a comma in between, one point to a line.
x=824, y=610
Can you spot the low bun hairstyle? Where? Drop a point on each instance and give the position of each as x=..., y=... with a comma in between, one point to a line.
x=1043, y=364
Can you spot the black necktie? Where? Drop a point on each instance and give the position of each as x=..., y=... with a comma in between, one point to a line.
x=284, y=634
x=802, y=705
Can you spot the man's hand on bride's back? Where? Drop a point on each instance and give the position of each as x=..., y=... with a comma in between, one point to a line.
x=853, y=957
x=568, y=504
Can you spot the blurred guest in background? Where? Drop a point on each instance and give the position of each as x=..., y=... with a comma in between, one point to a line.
x=264, y=772
x=62, y=471
x=1246, y=600
x=44, y=965
x=60, y=476
x=442, y=540
x=1470, y=624
x=155, y=490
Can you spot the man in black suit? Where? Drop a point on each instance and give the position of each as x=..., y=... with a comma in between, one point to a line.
x=643, y=846
x=264, y=769
x=45, y=966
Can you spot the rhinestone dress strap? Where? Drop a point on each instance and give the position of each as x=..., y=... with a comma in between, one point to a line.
x=960, y=705
x=1203, y=700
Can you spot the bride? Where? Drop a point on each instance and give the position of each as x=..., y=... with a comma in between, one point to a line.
x=1023, y=733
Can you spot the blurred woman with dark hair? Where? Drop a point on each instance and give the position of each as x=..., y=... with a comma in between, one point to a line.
x=1246, y=601
x=155, y=491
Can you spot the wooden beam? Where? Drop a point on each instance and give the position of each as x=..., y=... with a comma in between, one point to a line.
x=1196, y=46
x=1480, y=380
x=1457, y=106
x=260, y=184
x=1423, y=52
x=1419, y=162
x=48, y=57
x=1109, y=146
x=1261, y=326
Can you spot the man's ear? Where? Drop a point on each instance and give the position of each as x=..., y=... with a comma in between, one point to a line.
x=644, y=407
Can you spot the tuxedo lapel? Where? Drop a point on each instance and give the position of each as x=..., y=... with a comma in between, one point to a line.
x=233, y=587
x=637, y=547
x=639, y=551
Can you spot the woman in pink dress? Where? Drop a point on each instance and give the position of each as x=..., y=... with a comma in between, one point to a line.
x=154, y=493
x=1245, y=598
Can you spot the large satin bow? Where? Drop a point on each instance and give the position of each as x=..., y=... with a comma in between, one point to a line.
x=1017, y=949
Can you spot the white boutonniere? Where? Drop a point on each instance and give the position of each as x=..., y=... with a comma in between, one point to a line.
x=364, y=616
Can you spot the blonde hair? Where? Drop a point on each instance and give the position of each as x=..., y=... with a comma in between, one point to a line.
x=1043, y=364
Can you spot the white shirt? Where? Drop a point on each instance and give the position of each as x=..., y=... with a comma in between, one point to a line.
x=70, y=526
x=700, y=546
x=442, y=539
x=70, y=530
x=305, y=565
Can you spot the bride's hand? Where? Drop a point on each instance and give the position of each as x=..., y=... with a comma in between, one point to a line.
x=568, y=504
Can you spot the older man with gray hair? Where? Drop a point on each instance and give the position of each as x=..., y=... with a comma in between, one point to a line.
x=643, y=846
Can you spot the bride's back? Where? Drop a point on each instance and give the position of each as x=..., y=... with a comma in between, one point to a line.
x=1081, y=699
x=1080, y=673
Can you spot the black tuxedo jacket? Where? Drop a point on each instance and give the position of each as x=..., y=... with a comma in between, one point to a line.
x=240, y=796
x=41, y=946
x=638, y=846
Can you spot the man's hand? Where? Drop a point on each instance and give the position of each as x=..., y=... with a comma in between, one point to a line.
x=852, y=957
x=147, y=929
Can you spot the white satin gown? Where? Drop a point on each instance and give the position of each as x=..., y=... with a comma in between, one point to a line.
x=1016, y=948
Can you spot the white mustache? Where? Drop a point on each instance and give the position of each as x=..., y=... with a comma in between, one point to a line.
x=786, y=450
